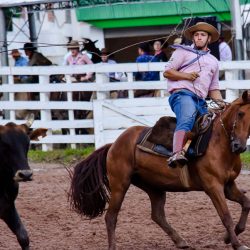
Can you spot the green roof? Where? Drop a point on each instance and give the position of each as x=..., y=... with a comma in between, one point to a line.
x=132, y=13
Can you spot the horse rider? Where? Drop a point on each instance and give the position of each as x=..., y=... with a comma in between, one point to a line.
x=193, y=74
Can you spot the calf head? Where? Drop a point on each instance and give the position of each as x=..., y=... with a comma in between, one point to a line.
x=14, y=146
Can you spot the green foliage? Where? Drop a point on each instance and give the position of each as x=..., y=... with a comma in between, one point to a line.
x=245, y=157
x=63, y=156
x=70, y=156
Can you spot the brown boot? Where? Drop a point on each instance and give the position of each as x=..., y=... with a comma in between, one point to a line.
x=178, y=157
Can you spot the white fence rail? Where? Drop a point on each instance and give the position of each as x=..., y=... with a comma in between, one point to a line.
x=110, y=116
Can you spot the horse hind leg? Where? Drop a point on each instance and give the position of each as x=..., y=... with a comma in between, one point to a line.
x=118, y=190
x=158, y=200
x=234, y=194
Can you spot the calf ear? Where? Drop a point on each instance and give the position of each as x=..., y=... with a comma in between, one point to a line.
x=35, y=134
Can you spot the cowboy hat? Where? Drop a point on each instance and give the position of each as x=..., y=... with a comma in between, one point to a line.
x=73, y=45
x=29, y=47
x=202, y=26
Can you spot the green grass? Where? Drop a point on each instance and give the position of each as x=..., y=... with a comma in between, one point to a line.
x=63, y=156
x=70, y=156
x=245, y=157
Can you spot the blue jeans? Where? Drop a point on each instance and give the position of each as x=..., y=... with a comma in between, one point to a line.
x=187, y=106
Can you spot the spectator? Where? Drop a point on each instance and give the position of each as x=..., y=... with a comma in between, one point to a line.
x=35, y=58
x=144, y=56
x=19, y=61
x=113, y=76
x=159, y=54
x=225, y=50
x=225, y=55
x=20, y=96
x=77, y=58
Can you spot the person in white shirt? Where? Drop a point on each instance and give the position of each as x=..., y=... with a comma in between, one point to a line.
x=225, y=55
x=224, y=50
x=113, y=76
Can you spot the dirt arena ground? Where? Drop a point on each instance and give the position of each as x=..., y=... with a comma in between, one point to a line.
x=51, y=224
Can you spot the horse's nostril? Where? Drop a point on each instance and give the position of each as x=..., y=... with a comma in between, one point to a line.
x=237, y=147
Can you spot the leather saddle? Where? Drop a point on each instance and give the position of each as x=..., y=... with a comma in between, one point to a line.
x=159, y=138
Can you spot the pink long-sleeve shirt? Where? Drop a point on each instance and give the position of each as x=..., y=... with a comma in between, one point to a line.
x=207, y=67
x=80, y=59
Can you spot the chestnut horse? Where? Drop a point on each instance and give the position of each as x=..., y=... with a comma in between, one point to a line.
x=105, y=176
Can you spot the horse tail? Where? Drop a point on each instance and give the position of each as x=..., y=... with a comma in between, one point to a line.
x=90, y=191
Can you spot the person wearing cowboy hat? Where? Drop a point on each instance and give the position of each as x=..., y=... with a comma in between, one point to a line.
x=77, y=58
x=193, y=74
x=35, y=58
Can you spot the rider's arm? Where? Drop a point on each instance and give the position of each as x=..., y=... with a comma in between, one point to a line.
x=215, y=94
x=175, y=75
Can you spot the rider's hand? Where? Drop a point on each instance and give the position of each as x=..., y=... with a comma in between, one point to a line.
x=192, y=76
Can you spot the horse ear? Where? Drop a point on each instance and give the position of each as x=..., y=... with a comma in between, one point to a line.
x=95, y=41
x=246, y=97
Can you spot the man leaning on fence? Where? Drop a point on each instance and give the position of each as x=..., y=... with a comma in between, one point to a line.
x=193, y=74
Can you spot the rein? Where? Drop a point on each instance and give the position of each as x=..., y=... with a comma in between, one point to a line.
x=231, y=136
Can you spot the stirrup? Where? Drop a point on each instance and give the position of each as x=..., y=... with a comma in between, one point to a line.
x=177, y=159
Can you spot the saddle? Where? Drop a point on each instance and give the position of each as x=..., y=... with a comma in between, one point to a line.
x=158, y=140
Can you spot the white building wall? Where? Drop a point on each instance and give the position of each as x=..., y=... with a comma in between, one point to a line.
x=53, y=31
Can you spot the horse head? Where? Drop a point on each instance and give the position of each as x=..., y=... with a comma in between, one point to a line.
x=90, y=47
x=240, y=127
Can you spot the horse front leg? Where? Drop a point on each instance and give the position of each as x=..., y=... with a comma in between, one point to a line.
x=233, y=193
x=216, y=193
x=12, y=219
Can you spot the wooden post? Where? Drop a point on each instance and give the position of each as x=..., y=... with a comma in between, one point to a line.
x=45, y=114
x=130, y=79
x=98, y=123
x=231, y=94
x=70, y=112
x=101, y=79
x=12, y=98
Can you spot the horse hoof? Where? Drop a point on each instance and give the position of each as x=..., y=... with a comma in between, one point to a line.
x=243, y=248
x=182, y=244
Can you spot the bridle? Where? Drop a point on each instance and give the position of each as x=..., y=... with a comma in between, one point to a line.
x=231, y=136
x=235, y=143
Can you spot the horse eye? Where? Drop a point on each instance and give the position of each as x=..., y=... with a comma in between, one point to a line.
x=241, y=114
